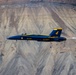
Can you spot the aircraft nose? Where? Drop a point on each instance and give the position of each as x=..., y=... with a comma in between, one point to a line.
x=10, y=38
x=17, y=37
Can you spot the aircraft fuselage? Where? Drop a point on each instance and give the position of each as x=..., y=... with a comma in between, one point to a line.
x=41, y=38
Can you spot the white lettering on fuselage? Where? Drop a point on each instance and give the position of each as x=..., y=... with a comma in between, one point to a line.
x=21, y=37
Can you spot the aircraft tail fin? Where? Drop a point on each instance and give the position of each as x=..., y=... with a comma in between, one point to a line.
x=56, y=32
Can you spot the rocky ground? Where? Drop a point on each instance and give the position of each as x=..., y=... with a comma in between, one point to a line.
x=36, y=1
x=32, y=57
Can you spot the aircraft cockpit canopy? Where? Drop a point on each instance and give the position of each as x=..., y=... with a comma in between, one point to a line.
x=24, y=34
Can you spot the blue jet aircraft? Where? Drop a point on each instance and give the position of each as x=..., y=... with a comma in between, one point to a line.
x=53, y=36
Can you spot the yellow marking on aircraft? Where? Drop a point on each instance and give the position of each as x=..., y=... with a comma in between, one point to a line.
x=45, y=39
x=57, y=33
x=29, y=38
x=57, y=28
x=54, y=37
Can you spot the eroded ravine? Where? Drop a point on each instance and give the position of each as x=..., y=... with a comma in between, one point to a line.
x=32, y=57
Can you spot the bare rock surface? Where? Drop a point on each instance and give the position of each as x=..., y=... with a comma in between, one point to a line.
x=32, y=57
x=36, y=1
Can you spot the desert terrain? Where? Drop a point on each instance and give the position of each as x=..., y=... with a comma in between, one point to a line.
x=32, y=57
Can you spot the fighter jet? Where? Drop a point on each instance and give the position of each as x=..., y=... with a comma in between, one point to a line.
x=54, y=36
